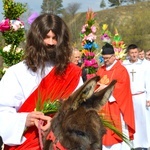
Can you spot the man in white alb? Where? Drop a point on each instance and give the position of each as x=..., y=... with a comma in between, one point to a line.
x=139, y=73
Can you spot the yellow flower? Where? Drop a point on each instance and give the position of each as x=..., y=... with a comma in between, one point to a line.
x=104, y=27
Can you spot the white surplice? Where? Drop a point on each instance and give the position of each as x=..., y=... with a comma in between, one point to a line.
x=139, y=73
x=15, y=87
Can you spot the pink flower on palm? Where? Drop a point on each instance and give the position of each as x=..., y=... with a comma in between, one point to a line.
x=93, y=28
x=89, y=55
x=91, y=37
x=4, y=25
x=91, y=63
x=84, y=28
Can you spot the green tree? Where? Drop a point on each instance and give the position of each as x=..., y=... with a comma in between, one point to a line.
x=72, y=8
x=102, y=4
x=115, y=2
x=52, y=6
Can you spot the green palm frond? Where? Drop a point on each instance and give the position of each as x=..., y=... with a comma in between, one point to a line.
x=108, y=124
x=48, y=107
x=51, y=107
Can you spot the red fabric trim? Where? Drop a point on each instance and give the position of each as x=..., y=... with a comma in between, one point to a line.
x=51, y=87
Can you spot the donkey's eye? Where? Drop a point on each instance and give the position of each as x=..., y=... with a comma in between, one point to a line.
x=80, y=133
x=77, y=132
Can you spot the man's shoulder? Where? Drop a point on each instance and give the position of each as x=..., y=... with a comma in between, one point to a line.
x=74, y=66
x=19, y=67
x=126, y=62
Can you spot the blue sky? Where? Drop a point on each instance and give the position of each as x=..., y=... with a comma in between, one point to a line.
x=35, y=5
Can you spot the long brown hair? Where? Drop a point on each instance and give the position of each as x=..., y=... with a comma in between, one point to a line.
x=36, y=54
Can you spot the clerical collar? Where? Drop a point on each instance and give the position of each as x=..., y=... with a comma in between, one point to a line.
x=109, y=67
x=139, y=61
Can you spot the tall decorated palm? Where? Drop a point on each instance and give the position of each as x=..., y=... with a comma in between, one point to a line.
x=88, y=35
x=13, y=32
x=115, y=40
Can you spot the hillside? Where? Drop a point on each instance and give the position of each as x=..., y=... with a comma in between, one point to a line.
x=132, y=22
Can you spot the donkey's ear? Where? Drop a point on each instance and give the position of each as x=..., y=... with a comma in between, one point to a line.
x=100, y=98
x=107, y=92
x=84, y=92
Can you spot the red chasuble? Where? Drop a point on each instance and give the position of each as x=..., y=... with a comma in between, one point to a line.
x=123, y=103
x=51, y=87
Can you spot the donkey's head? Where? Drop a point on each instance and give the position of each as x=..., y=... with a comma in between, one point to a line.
x=77, y=125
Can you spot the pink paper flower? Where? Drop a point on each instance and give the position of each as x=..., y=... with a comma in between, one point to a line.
x=93, y=28
x=4, y=25
x=90, y=54
x=89, y=76
x=90, y=63
x=91, y=37
x=16, y=24
x=84, y=28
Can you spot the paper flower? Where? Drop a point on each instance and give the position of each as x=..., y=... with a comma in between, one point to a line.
x=7, y=48
x=105, y=38
x=32, y=17
x=16, y=24
x=4, y=25
x=119, y=46
x=106, y=35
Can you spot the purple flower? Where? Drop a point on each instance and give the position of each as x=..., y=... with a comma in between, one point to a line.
x=32, y=17
x=105, y=38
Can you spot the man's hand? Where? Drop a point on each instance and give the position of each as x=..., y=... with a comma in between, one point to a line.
x=34, y=117
x=100, y=87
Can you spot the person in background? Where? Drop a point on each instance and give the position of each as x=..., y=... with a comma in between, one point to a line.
x=46, y=73
x=141, y=54
x=119, y=108
x=139, y=73
x=76, y=58
x=147, y=55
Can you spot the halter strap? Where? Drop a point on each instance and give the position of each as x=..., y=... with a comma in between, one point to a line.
x=56, y=143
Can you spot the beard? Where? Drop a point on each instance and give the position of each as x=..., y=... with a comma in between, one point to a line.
x=51, y=53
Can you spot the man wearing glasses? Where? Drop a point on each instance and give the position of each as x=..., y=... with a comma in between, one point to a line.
x=119, y=108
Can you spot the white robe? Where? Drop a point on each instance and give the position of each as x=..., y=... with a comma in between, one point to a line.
x=15, y=87
x=140, y=82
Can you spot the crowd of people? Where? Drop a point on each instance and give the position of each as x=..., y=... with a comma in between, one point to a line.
x=54, y=68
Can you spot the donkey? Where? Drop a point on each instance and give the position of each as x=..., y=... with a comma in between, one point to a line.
x=77, y=125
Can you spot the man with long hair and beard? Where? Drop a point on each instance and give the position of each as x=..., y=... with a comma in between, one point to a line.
x=46, y=73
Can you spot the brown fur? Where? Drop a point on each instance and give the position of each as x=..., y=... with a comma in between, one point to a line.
x=77, y=124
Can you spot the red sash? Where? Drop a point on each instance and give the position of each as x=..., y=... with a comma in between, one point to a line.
x=51, y=87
